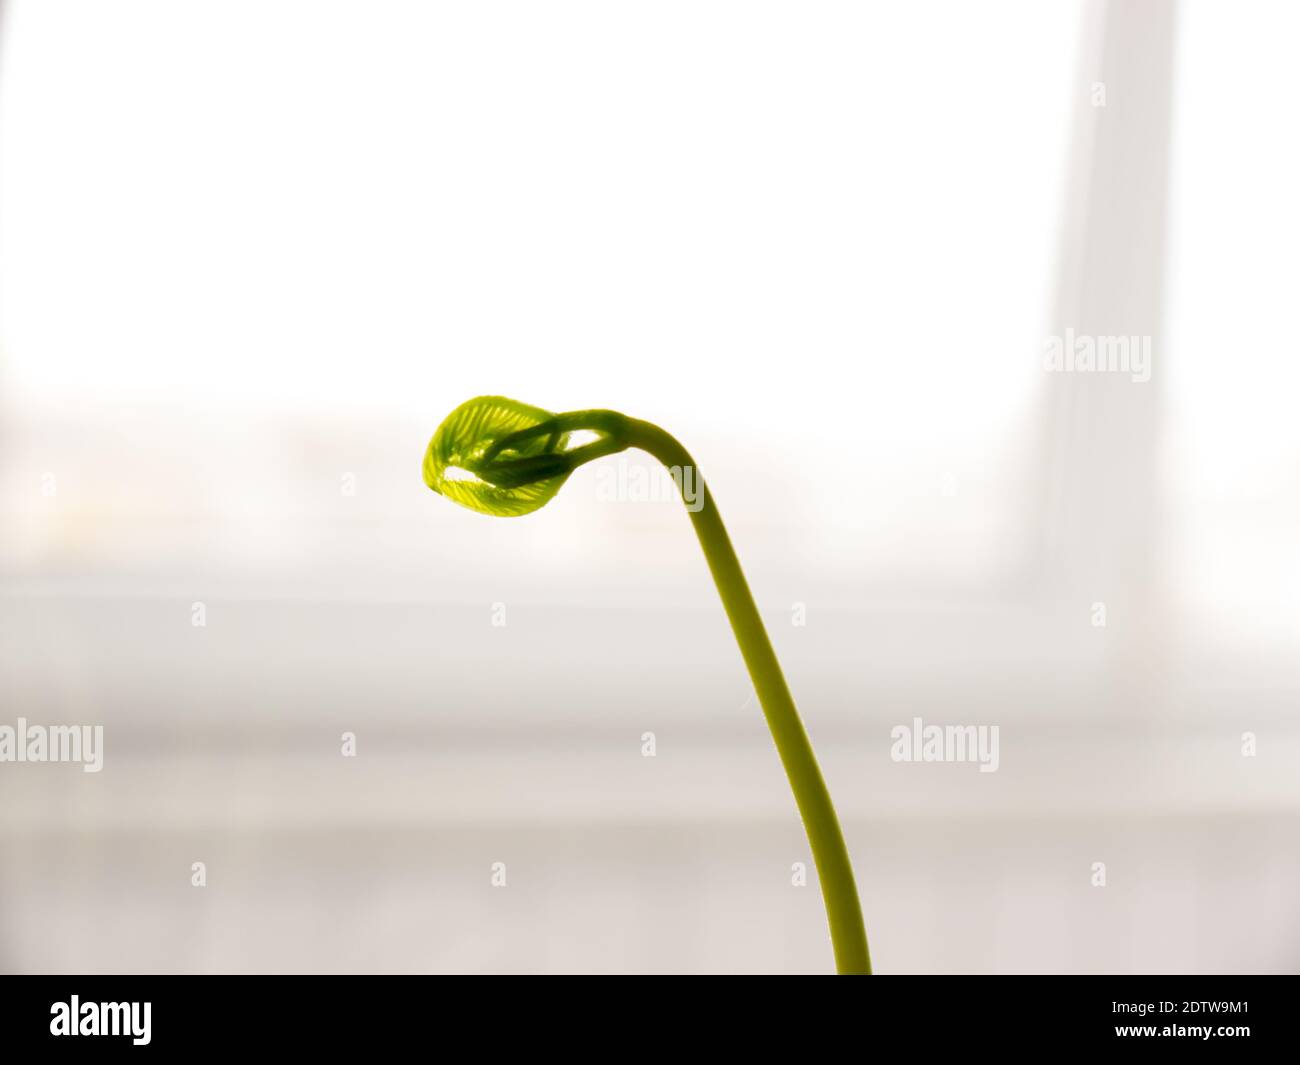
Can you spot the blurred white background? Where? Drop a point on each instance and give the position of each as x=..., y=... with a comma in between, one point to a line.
x=252, y=253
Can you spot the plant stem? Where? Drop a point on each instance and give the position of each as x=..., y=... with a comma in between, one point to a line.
x=834, y=870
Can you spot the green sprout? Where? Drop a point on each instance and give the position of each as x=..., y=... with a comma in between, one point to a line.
x=504, y=458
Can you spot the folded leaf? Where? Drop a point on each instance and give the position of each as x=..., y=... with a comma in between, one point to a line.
x=461, y=463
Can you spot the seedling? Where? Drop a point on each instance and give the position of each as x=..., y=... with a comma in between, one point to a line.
x=501, y=457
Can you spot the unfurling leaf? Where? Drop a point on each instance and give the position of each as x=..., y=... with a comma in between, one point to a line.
x=462, y=463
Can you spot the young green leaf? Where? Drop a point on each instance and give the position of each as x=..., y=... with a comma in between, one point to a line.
x=462, y=464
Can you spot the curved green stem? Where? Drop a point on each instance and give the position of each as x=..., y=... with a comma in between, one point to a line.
x=834, y=870
x=502, y=464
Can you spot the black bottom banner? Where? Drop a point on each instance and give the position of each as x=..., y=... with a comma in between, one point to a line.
x=177, y=1014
